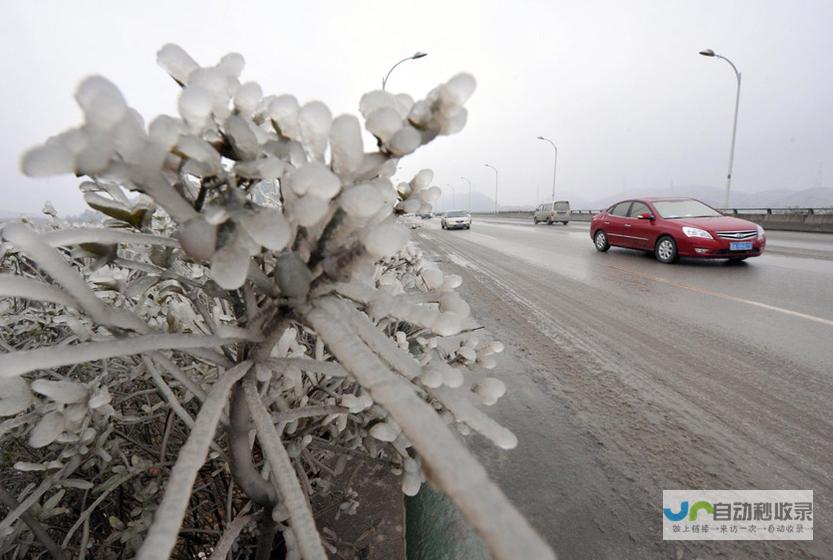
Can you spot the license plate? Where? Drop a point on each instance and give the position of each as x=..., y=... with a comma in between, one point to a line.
x=740, y=246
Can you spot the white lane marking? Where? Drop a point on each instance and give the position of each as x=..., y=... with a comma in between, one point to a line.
x=728, y=297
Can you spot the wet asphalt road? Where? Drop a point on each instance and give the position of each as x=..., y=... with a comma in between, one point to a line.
x=627, y=377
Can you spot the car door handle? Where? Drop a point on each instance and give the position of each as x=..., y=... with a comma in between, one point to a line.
x=627, y=225
x=606, y=222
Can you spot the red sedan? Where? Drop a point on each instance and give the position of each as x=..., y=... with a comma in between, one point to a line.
x=676, y=227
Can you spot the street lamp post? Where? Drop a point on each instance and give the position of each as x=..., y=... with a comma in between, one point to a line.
x=496, y=174
x=414, y=56
x=709, y=52
x=469, y=182
x=554, y=163
x=453, y=196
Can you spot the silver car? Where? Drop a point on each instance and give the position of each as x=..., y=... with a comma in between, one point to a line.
x=456, y=219
x=551, y=212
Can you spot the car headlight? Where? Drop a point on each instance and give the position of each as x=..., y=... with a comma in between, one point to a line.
x=696, y=232
x=761, y=233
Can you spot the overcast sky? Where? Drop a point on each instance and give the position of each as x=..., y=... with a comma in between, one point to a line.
x=617, y=85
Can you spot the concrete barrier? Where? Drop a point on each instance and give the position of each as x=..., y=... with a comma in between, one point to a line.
x=815, y=220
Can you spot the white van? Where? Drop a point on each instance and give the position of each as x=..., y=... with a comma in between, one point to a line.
x=558, y=211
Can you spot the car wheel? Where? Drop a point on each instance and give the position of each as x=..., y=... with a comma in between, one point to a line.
x=600, y=240
x=666, y=250
x=468, y=227
x=549, y=221
x=535, y=221
x=565, y=223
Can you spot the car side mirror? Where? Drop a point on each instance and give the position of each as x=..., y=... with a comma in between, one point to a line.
x=646, y=216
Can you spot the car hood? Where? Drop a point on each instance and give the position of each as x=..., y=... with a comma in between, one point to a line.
x=719, y=223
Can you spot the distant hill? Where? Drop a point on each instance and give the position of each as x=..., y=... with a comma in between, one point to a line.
x=819, y=197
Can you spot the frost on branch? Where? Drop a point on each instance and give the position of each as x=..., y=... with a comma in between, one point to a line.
x=249, y=256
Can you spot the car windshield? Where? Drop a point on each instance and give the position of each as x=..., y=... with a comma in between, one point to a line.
x=671, y=209
x=457, y=214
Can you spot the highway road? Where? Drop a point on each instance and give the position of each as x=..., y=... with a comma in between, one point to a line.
x=627, y=377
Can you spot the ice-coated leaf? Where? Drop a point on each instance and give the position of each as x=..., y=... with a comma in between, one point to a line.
x=47, y=430
x=176, y=62
x=433, y=278
x=346, y=145
x=455, y=123
x=52, y=158
x=411, y=484
x=453, y=303
x=242, y=137
x=15, y=396
x=404, y=103
x=64, y=392
x=430, y=194
x=102, y=102
x=165, y=131
x=405, y=141
x=230, y=266
x=383, y=123
x=373, y=100
x=233, y=64
x=447, y=324
x=314, y=178
x=385, y=239
x=462, y=86
x=308, y=210
x=108, y=206
x=195, y=104
x=314, y=120
x=383, y=431
x=247, y=97
x=283, y=110
x=202, y=152
x=100, y=398
x=422, y=179
x=198, y=238
x=268, y=227
x=361, y=201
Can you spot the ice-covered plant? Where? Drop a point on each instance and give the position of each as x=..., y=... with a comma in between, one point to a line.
x=251, y=276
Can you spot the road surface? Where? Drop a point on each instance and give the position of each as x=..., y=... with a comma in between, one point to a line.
x=627, y=377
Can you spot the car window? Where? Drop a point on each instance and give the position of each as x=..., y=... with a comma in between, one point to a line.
x=638, y=208
x=562, y=206
x=672, y=209
x=621, y=209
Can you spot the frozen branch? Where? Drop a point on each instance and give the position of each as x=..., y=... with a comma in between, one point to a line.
x=163, y=532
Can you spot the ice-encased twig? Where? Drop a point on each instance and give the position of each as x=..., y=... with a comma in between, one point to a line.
x=12, y=285
x=162, y=534
x=465, y=411
x=398, y=359
x=233, y=530
x=300, y=517
x=76, y=236
x=18, y=363
x=330, y=369
x=507, y=534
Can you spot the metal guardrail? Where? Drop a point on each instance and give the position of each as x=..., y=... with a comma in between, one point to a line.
x=733, y=211
x=770, y=211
